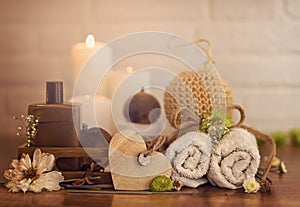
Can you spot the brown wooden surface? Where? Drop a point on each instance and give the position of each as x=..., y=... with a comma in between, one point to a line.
x=286, y=192
x=59, y=152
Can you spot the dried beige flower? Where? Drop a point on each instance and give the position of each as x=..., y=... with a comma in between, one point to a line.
x=282, y=168
x=275, y=162
x=35, y=175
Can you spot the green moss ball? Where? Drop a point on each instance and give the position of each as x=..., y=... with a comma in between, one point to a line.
x=161, y=183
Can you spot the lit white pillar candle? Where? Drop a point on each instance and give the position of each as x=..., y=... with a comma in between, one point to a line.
x=82, y=51
x=96, y=109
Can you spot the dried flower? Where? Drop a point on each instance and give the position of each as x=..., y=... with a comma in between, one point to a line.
x=251, y=185
x=277, y=165
x=30, y=124
x=177, y=185
x=275, y=162
x=216, y=125
x=282, y=168
x=161, y=183
x=35, y=175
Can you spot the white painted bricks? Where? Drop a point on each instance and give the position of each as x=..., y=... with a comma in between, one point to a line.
x=249, y=10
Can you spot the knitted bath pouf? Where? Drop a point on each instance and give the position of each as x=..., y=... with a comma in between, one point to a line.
x=198, y=91
x=186, y=90
x=229, y=99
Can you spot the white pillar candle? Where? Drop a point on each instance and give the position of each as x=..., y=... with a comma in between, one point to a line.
x=115, y=78
x=95, y=109
x=96, y=112
x=81, y=52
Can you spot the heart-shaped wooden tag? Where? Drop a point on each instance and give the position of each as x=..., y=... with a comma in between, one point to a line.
x=127, y=173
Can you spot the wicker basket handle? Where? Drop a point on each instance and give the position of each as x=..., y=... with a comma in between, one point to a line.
x=242, y=114
x=266, y=185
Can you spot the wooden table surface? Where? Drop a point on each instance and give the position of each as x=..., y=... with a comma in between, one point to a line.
x=286, y=192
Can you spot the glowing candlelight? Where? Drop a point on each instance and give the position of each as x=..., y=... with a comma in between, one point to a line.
x=90, y=41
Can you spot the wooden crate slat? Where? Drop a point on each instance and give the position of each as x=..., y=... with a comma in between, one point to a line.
x=72, y=152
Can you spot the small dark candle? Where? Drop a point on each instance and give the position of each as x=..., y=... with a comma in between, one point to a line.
x=54, y=92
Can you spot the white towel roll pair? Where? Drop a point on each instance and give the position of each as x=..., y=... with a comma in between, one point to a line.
x=228, y=164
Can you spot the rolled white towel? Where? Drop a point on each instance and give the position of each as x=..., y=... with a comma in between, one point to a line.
x=234, y=159
x=190, y=156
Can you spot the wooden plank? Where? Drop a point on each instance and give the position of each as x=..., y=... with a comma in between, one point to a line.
x=59, y=152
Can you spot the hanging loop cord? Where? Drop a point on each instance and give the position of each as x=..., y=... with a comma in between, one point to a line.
x=206, y=50
x=144, y=159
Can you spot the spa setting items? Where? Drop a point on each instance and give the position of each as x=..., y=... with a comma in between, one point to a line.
x=207, y=145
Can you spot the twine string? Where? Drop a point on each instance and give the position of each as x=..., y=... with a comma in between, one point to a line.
x=264, y=180
x=160, y=141
x=242, y=114
x=206, y=50
x=198, y=42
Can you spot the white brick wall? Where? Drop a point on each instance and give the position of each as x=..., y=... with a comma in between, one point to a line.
x=255, y=43
x=236, y=10
x=17, y=40
x=34, y=12
x=150, y=11
x=291, y=7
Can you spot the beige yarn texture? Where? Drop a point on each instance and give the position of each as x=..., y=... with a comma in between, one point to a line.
x=229, y=98
x=186, y=91
x=198, y=91
x=214, y=85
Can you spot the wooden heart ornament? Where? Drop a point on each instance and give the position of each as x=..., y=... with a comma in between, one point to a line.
x=127, y=173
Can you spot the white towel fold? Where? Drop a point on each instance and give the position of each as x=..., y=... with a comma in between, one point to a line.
x=234, y=159
x=190, y=157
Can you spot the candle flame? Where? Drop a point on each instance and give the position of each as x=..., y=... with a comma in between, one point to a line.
x=129, y=69
x=90, y=41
